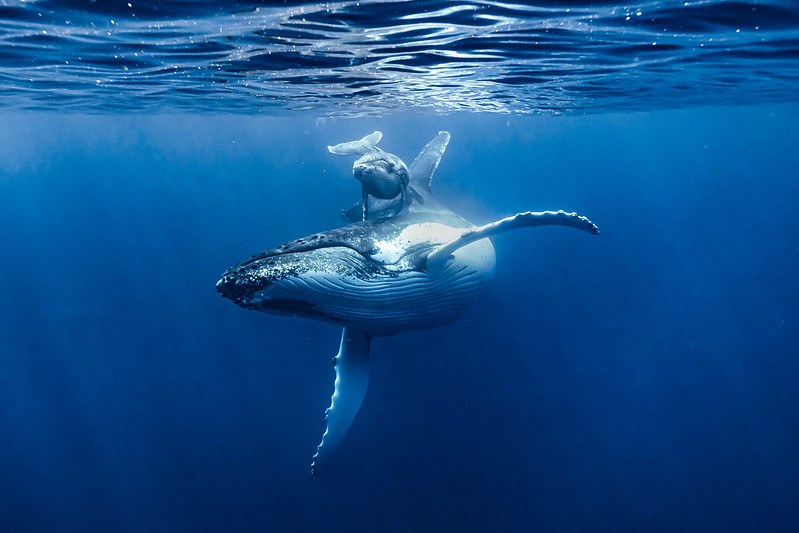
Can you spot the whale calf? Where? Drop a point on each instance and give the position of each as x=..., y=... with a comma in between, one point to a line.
x=384, y=177
x=420, y=269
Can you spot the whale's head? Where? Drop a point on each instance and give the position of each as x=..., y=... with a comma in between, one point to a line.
x=369, y=275
x=382, y=174
x=302, y=282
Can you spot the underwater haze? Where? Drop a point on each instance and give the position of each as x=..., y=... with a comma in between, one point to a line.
x=645, y=379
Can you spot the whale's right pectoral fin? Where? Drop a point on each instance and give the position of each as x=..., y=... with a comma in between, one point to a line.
x=520, y=220
x=352, y=378
x=424, y=166
x=359, y=147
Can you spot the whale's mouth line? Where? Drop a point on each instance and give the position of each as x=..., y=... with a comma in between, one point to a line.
x=410, y=259
x=245, y=283
x=286, y=306
x=384, y=303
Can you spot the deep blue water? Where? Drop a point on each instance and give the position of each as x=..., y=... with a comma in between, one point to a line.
x=646, y=379
x=642, y=379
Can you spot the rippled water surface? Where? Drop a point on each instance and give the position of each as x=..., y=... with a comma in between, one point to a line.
x=353, y=58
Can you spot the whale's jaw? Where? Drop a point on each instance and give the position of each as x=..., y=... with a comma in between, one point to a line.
x=339, y=285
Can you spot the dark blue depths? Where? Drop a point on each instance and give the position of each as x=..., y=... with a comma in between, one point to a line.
x=645, y=379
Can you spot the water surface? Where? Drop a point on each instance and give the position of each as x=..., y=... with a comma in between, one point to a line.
x=642, y=380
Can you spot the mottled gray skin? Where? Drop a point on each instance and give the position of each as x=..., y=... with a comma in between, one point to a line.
x=420, y=268
x=382, y=175
x=353, y=253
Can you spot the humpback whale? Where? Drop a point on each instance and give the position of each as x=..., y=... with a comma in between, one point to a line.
x=378, y=277
x=383, y=176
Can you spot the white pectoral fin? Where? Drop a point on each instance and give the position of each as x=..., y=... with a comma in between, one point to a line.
x=424, y=166
x=520, y=220
x=359, y=147
x=352, y=378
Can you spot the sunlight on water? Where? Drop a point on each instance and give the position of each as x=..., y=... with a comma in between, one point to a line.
x=359, y=58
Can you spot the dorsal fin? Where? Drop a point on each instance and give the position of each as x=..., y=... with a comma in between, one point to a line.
x=359, y=147
x=424, y=166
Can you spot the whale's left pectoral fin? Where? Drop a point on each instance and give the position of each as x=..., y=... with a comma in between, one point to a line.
x=359, y=147
x=520, y=220
x=352, y=378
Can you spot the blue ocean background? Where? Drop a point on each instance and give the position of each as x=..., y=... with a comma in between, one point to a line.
x=646, y=379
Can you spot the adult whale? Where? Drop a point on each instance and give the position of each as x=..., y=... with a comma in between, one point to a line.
x=419, y=269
